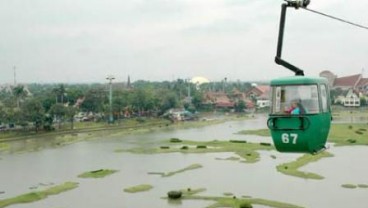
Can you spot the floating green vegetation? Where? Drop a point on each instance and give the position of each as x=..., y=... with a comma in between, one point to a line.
x=168, y=174
x=350, y=186
x=353, y=186
x=341, y=134
x=138, y=188
x=363, y=185
x=165, y=147
x=97, y=173
x=201, y=147
x=175, y=140
x=230, y=200
x=349, y=134
x=240, y=202
x=291, y=168
x=247, y=151
x=39, y=195
x=238, y=141
x=4, y=146
x=229, y=158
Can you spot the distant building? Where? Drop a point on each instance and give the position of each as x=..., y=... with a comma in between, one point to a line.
x=218, y=100
x=351, y=99
x=351, y=87
x=259, y=92
x=355, y=82
x=79, y=102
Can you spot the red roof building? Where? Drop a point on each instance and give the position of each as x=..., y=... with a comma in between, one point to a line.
x=348, y=81
x=218, y=99
x=355, y=82
x=261, y=92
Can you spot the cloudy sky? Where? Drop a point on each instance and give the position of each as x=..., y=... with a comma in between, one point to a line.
x=85, y=40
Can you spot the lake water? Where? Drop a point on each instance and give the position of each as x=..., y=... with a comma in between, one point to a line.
x=57, y=164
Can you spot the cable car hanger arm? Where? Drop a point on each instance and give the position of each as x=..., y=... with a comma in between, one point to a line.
x=289, y=3
x=300, y=4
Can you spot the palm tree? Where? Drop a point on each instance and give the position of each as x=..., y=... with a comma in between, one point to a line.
x=19, y=93
x=59, y=92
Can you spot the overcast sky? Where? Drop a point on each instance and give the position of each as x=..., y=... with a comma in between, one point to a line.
x=86, y=40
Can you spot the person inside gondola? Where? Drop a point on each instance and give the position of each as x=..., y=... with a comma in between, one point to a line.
x=297, y=108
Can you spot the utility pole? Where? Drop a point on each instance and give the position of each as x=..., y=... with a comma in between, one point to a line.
x=15, y=76
x=110, y=78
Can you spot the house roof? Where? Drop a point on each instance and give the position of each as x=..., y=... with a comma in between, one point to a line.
x=348, y=81
x=263, y=88
x=363, y=82
x=261, y=91
x=218, y=98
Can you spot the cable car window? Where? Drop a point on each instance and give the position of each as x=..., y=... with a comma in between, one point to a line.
x=286, y=98
x=324, y=98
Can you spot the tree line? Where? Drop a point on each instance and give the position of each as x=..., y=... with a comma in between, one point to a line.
x=39, y=106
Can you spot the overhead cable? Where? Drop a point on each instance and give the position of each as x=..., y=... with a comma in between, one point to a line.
x=336, y=18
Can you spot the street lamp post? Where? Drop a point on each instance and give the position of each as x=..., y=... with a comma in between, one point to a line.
x=110, y=78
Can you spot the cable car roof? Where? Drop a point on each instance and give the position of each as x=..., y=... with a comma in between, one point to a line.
x=298, y=80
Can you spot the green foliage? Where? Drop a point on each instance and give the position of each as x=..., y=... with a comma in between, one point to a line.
x=143, y=99
x=95, y=99
x=58, y=110
x=33, y=111
x=240, y=106
x=363, y=101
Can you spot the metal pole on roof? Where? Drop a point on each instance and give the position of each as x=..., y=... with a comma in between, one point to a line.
x=110, y=78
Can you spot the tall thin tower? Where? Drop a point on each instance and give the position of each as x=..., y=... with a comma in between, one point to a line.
x=15, y=75
x=128, y=82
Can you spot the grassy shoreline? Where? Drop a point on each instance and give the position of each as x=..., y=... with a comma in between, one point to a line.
x=125, y=127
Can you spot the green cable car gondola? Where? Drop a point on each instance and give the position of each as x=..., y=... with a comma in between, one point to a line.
x=300, y=116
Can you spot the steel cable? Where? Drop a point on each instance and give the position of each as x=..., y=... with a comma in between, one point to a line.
x=336, y=18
